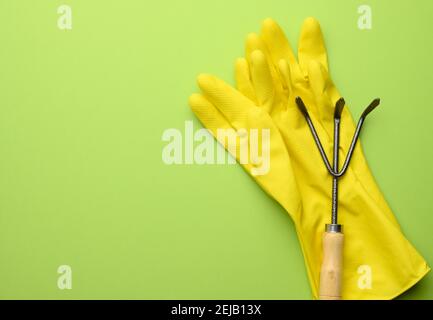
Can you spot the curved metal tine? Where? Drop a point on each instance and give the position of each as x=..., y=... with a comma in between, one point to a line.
x=361, y=120
x=304, y=111
x=370, y=107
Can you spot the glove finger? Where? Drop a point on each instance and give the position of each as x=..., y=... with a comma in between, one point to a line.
x=253, y=43
x=262, y=80
x=284, y=71
x=243, y=80
x=276, y=42
x=318, y=83
x=230, y=102
x=311, y=45
x=207, y=113
x=214, y=121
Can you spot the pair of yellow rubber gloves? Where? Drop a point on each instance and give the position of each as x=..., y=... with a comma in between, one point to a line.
x=378, y=261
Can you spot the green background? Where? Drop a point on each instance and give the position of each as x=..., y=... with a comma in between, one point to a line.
x=82, y=112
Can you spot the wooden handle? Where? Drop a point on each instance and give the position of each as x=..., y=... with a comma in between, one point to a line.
x=332, y=266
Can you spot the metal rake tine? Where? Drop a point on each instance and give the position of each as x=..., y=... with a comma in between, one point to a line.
x=339, y=105
x=361, y=120
x=316, y=138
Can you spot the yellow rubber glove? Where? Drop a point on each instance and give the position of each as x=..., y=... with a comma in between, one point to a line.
x=320, y=92
x=373, y=240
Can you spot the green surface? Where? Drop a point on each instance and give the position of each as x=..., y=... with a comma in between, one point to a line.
x=82, y=112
